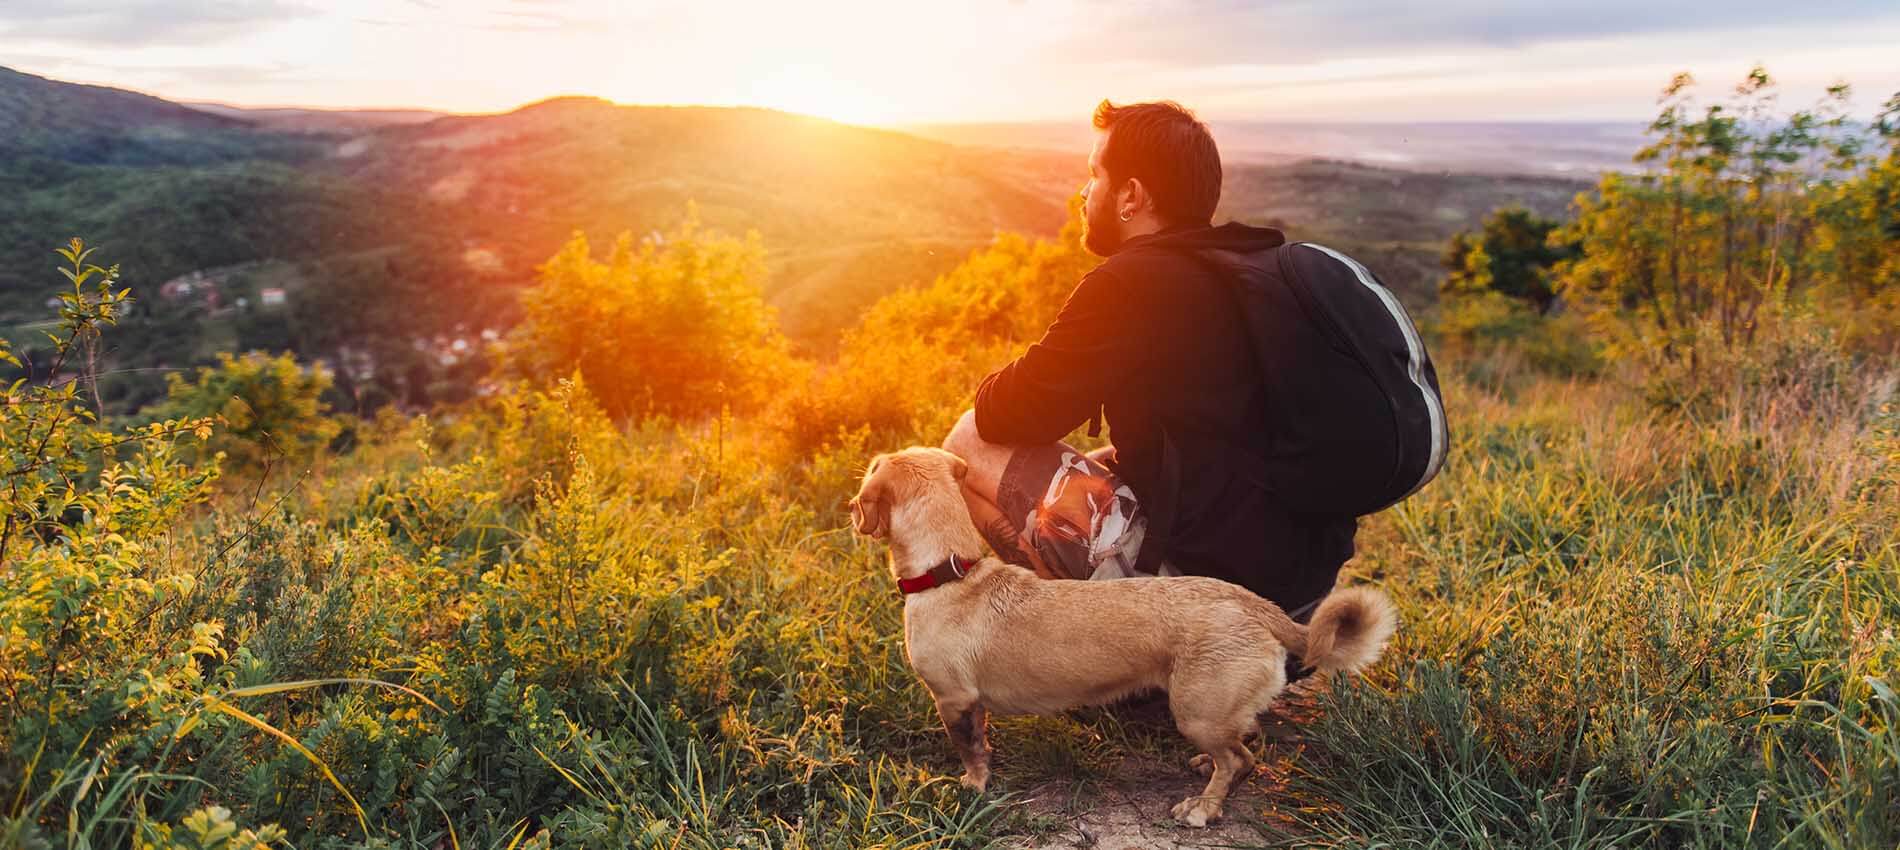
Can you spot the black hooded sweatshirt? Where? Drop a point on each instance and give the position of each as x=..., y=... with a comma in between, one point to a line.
x=1151, y=339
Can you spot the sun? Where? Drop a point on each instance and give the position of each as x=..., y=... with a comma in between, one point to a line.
x=811, y=90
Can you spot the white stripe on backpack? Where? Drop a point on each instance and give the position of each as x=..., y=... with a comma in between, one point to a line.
x=1415, y=368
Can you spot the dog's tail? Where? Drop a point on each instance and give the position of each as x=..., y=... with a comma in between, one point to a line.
x=1348, y=631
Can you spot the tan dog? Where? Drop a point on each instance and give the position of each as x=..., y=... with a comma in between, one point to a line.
x=1000, y=639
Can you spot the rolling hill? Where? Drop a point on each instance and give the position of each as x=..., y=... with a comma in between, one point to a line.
x=827, y=199
x=389, y=229
x=97, y=125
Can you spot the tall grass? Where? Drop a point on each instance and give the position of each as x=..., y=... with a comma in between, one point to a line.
x=1632, y=626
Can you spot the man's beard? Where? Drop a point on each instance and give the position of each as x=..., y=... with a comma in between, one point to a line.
x=1101, y=234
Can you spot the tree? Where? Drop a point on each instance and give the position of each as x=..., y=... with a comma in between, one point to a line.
x=674, y=326
x=1738, y=217
x=1512, y=254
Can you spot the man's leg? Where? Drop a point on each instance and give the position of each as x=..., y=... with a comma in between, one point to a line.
x=1055, y=510
x=987, y=463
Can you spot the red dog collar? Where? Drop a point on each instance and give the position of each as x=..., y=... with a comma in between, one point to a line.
x=950, y=570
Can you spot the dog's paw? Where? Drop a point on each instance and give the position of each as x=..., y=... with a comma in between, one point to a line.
x=1202, y=764
x=1197, y=811
x=975, y=782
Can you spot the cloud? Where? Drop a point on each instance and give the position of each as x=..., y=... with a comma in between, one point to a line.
x=164, y=80
x=1283, y=31
x=976, y=59
x=143, y=23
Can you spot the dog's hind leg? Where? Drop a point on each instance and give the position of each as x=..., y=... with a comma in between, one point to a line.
x=968, y=725
x=1229, y=761
x=1215, y=709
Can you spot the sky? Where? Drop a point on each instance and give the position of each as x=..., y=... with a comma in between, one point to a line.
x=897, y=61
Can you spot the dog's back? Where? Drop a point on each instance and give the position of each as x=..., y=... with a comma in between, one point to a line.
x=1037, y=646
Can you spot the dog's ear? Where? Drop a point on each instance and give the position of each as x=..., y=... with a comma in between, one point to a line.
x=958, y=467
x=871, y=512
x=871, y=507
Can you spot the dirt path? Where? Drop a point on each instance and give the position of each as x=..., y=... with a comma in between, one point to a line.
x=1129, y=810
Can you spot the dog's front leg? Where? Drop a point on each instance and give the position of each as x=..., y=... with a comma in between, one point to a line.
x=968, y=725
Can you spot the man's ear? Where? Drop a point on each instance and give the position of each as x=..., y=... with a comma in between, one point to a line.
x=1134, y=196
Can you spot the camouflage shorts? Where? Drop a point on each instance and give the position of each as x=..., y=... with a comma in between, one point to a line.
x=1078, y=519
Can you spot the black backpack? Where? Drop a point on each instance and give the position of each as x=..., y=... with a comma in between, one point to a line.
x=1358, y=423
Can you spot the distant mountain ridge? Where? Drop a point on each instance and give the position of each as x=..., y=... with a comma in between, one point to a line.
x=1552, y=148
x=98, y=125
x=291, y=119
x=31, y=104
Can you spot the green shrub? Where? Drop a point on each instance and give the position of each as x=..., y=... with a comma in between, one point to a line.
x=1512, y=255
x=267, y=408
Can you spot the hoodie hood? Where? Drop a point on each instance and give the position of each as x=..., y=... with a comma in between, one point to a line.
x=1233, y=236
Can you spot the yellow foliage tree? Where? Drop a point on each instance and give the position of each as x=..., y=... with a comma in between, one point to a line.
x=1740, y=220
x=915, y=358
x=674, y=325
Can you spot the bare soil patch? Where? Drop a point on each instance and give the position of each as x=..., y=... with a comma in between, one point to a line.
x=1127, y=808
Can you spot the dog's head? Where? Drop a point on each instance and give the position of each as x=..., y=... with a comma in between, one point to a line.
x=898, y=478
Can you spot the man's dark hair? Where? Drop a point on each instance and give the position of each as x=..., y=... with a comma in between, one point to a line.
x=1172, y=154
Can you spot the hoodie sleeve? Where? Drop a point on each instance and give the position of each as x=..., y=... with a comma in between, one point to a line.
x=1063, y=379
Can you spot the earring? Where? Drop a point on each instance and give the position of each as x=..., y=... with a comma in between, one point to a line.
x=1128, y=216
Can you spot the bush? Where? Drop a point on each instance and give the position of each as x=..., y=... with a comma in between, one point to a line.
x=91, y=665
x=674, y=327
x=912, y=363
x=268, y=408
x=1477, y=329
x=1511, y=255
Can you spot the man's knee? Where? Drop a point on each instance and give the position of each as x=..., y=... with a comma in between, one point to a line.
x=963, y=439
x=987, y=461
